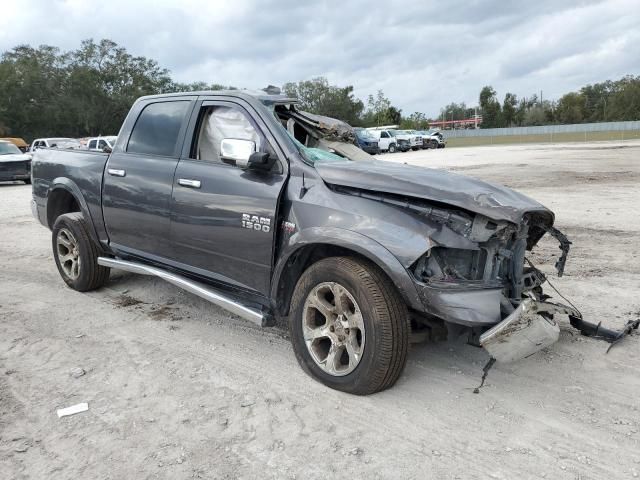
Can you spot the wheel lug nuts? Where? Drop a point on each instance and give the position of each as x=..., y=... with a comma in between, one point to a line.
x=346, y=330
x=331, y=328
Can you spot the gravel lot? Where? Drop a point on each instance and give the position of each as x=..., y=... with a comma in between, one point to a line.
x=179, y=389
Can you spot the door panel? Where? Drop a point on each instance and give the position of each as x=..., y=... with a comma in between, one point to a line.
x=138, y=178
x=223, y=216
x=136, y=206
x=207, y=222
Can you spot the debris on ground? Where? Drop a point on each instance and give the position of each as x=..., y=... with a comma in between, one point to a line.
x=72, y=410
x=77, y=372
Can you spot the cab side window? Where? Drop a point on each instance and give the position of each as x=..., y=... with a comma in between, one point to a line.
x=102, y=144
x=157, y=128
x=219, y=124
x=384, y=135
x=92, y=144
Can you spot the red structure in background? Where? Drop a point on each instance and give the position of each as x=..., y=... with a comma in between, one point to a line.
x=456, y=124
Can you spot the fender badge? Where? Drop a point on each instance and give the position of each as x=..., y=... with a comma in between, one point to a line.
x=289, y=227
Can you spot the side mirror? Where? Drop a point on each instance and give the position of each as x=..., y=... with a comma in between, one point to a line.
x=107, y=150
x=261, y=161
x=237, y=150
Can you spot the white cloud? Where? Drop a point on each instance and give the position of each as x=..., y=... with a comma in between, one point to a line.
x=422, y=54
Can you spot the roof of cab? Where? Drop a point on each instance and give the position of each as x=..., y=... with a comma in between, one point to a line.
x=260, y=95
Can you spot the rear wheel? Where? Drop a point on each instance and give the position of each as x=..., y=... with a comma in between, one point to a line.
x=76, y=254
x=27, y=181
x=349, y=326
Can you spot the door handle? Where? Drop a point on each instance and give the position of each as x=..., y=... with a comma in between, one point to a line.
x=116, y=173
x=185, y=182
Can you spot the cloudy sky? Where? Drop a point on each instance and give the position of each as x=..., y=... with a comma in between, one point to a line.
x=423, y=54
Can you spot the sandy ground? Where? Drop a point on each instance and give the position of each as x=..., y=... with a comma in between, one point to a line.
x=179, y=389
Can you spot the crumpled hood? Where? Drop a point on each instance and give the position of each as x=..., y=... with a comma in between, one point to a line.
x=494, y=201
x=15, y=157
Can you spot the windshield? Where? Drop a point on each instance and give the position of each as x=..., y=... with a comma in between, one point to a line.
x=314, y=155
x=365, y=135
x=9, y=149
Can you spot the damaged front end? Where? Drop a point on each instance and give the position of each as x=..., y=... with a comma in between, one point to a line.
x=489, y=285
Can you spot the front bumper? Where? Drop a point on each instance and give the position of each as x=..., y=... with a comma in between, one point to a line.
x=370, y=148
x=472, y=304
x=20, y=170
x=530, y=328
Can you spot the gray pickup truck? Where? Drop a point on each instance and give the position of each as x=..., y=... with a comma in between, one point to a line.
x=273, y=213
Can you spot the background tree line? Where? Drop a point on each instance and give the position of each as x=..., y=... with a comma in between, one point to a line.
x=47, y=92
x=88, y=91
x=608, y=101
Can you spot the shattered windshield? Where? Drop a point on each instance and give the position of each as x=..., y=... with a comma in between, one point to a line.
x=314, y=155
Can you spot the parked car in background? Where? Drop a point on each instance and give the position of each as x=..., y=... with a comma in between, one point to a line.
x=14, y=164
x=98, y=144
x=417, y=139
x=386, y=140
x=414, y=141
x=18, y=142
x=433, y=139
x=66, y=143
x=367, y=141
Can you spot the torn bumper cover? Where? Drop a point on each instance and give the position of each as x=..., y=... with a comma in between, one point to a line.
x=527, y=330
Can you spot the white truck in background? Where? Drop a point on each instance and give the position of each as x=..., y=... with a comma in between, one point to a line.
x=98, y=144
x=392, y=140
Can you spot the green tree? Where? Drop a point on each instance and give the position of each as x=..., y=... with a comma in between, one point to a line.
x=509, y=110
x=415, y=121
x=319, y=97
x=490, y=106
x=571, y=108
x=32, y=86
x=624, y=101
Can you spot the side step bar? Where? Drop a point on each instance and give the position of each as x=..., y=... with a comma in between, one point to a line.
x=197, y=288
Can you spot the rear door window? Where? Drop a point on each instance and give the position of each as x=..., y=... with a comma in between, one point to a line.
x=157, y=128
x=92, y=144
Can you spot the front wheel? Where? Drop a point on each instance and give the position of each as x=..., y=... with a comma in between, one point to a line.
x=76, y=254
x=349, y=326
x=392, y=148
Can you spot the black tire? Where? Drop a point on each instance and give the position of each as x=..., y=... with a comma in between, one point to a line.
x=434, y=144
x=90, y=275
x=392, y=148
x=27, y=181
x=385, y=318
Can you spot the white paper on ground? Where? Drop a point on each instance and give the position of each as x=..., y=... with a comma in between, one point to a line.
x=72, y=410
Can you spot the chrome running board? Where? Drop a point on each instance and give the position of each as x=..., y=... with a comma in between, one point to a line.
x=197, y=288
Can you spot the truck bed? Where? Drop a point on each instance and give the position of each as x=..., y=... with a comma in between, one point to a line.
x=77, y=171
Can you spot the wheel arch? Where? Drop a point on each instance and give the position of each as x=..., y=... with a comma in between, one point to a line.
x=64, y=196
x=315, y=244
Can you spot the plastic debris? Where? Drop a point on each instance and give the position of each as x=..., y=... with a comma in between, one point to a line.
x=72, y=410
